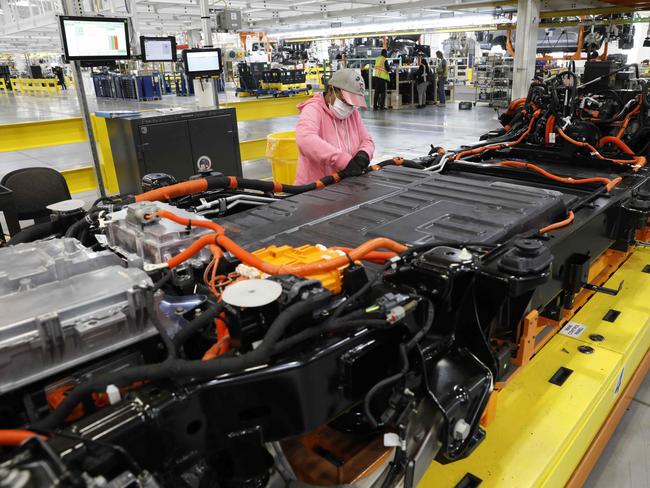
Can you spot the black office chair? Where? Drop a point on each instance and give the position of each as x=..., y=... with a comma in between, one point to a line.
x=32, y=190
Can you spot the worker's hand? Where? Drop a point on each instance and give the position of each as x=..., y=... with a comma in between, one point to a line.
x=357, y=165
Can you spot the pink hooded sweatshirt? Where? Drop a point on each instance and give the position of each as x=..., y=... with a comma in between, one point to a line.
x=325, y=143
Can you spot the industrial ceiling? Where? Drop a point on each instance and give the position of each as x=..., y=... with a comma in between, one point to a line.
x=30, y=25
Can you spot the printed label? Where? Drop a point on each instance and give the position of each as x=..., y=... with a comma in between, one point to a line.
x=204, y=163
x=573, y=329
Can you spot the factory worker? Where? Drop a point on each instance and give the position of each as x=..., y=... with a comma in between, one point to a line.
x=330, y=134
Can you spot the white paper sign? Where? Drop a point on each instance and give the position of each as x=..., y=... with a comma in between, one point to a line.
x=573, y=329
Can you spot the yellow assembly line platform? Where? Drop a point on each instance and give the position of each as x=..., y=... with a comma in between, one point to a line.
x=554, y=417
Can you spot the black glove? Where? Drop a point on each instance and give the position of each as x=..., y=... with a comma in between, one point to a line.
x=357, y=165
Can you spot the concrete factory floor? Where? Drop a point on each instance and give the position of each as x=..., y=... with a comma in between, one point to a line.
x=408, y=133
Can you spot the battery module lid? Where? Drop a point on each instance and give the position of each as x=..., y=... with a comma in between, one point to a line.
x=252, y=293
x=66, y=206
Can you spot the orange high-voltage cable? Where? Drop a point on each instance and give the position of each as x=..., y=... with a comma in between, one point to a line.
x=15, y=437
x=246, y=257
x=636, y=160
x=559, y=225
x=502, y=145
x=609, y=184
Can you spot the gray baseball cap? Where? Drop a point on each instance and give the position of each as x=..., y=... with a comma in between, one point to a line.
x=351, y=84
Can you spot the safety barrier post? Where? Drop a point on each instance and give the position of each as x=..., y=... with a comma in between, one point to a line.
x=33, y=86
x=16, y=86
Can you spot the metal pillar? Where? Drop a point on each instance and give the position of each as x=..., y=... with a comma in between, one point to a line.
x=75, y=7
x=135, y=28
x=206, y=30
x=525, y=46
x=205, y=23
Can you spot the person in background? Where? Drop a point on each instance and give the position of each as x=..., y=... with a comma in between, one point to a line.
x=339, y=61
x=422, y=78
x=330, y=134
x=58, y=72
x=441, y=73
x=380, y=79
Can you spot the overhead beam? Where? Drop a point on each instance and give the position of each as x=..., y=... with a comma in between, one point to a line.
x=353, y=12
x=276, y=6
x=587, y=11
x=477, y=5
x=23, y=25
x=434, y=30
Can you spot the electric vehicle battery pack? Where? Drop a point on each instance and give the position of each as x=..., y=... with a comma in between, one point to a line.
x=410, y=206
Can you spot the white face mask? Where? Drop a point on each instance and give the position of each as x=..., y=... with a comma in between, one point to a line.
x=341, y=109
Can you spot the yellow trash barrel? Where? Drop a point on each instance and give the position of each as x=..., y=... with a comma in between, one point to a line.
x=282, y=150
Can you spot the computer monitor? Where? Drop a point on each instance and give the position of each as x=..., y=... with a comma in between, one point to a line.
x=94, y=38
x=158, y=48
x=202, y=62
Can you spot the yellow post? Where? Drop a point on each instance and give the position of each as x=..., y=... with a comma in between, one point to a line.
x=53, y=86
x=105, y=154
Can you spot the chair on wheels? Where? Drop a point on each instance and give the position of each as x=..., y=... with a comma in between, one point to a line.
x=32, y=190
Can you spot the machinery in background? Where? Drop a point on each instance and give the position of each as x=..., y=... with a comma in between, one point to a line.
x=601, y=118
x=270, y=81
x=459, y=45
x=180, y=144
x=612, y=73
x=570, y=39
x=361, y=48
x=293, y=53
x=5, y=74
x=227, y=19
x=492, y=79
x=408, y=48
x=276, y=349
x=136, y=87
x=259, y=51
x=459, y=51
x=36, y=71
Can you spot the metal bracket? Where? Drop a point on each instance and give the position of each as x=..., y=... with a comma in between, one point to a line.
x=602, y=289
x=152, y=267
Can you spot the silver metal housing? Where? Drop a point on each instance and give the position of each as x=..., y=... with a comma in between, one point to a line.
x=157, y=240
x=63, y=304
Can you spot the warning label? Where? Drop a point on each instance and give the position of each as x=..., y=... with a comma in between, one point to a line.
x=573, y=329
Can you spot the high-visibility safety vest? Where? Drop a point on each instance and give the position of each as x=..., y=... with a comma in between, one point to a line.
x=380, y=69
x=442, y=69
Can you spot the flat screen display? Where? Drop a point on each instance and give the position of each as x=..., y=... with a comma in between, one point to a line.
x=158, y=48
x=95, y=38
x=202, y=61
